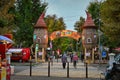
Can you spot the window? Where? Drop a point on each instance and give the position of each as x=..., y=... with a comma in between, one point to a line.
x=89, y=40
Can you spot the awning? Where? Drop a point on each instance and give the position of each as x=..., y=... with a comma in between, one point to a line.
x=117, y=49
x=15, y=50
x=3, y=38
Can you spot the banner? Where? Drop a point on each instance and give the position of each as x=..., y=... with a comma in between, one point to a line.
x=3, y=74
x=51, y=44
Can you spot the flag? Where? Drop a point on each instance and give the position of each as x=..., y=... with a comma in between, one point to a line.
x=51, y=44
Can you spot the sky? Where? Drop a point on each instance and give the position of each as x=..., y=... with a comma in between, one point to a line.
x=70, y=10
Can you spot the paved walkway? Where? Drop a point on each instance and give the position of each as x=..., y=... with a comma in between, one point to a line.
x=40, y=72
x=49, y=78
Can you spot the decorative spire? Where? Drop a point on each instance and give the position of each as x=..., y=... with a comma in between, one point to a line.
x=41, y=23
x=89, y=23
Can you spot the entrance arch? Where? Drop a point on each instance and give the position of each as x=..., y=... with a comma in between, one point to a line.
x=65, y=33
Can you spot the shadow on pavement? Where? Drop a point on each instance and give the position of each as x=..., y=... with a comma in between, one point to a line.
x=16, y=77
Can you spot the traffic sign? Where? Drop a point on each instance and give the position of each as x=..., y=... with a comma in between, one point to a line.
x=34, y=36
x=104, y=54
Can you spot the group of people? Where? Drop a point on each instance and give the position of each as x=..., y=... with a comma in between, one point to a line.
x=74, y=59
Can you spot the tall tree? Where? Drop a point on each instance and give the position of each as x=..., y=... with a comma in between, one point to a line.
x=78, y=24
x=26, y=15
x=94, y=9
x=55, y=24
x=6, y=16
x=110, y=14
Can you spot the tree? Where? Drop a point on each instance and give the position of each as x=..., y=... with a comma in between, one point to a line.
x=78, y=24
x=110, y=15
x=6, y=16
x=94, y=10
x=55, y=24
x=26, y=16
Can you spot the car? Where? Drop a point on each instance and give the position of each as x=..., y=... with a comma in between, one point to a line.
x=117, y=59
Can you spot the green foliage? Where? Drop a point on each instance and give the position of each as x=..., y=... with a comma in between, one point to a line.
x=26, y=16
x=94, y=10
x=2, y=23
x=6, y=17
x=55, y=24
x=64, y=44
x=78, y=25
x=110, y=14
x=106, y=15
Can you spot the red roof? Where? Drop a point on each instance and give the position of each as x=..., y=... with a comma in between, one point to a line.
x=41, y=23
x=89, y=23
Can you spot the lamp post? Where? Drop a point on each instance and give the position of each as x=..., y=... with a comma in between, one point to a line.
x=100, y=55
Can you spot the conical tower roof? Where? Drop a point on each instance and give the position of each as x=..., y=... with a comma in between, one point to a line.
x=41, y=23
x=89, y=23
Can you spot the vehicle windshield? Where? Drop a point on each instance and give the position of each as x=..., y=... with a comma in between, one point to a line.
x=117, y=58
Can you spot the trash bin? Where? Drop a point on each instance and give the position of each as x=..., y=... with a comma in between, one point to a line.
x=12, y=70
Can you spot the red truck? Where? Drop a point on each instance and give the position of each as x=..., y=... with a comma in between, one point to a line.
x=20, y=54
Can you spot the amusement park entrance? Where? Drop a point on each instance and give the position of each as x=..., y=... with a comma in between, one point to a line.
x=54, y=68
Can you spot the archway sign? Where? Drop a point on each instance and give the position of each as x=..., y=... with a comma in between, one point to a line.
x=65, y=33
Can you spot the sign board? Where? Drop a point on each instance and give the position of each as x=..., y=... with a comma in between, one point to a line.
x=36, y=48
x=40, y=53
x=34, y=36
x=87, y=54
x=104, y=54
x=65, y=33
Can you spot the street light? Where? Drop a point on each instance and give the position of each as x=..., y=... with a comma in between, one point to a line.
x=100, y=55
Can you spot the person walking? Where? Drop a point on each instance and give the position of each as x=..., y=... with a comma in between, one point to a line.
x=64, y=60
x=75, y=59
x=71, y=57
x=82, y=57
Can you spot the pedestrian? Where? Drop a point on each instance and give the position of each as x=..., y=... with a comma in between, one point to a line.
x=64, y=60
x=51, y=59
x=82, y=57
x=71, y=57
x=75, y=59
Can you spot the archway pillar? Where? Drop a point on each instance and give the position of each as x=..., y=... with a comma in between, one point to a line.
x=43, y=55
x=92, y=55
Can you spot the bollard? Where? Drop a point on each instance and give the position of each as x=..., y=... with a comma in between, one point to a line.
x=48, y=68
x=57, y=58
x=86, y=70
x=67, y=69
x=30, y=68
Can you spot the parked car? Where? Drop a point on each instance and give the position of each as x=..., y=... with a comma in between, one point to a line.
x=117, y=59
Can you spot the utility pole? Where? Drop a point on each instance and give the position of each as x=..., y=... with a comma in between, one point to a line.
x=100, y=55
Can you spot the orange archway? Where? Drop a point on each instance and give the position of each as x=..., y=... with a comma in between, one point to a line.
x=65, y=33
